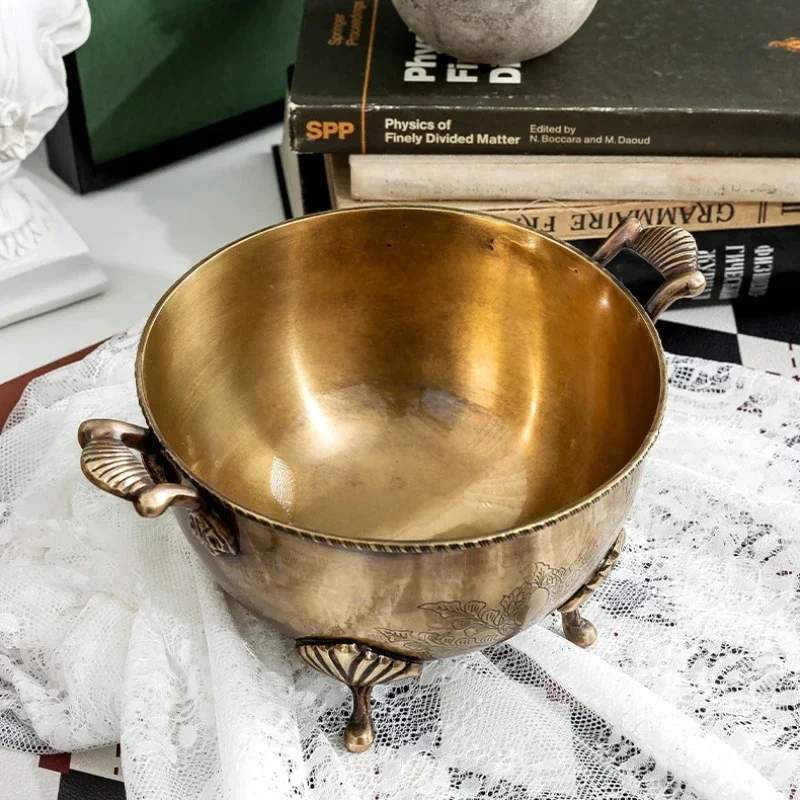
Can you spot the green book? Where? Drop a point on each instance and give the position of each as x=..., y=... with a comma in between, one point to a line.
x=159, y=79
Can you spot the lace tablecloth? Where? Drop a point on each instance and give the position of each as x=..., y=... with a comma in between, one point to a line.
x=111, y=631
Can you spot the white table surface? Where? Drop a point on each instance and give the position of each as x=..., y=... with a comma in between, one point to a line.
x=144, y=233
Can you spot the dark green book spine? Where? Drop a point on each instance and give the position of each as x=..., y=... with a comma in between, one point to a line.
x=342, y=40
x=421, y=130
x=365, y=84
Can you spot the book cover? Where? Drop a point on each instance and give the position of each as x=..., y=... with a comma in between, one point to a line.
x=641, y=77
x=302, y=180
x=752, y=263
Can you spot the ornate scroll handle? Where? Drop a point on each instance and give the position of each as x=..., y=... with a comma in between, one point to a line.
x=108, y=461
x=672, y=251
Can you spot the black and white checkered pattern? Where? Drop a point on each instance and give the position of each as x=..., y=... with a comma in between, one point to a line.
x=761, y=337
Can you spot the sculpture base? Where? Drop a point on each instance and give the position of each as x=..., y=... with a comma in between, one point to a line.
x=49, y=273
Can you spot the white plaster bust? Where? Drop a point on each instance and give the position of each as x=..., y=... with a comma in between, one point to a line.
x=34, y=37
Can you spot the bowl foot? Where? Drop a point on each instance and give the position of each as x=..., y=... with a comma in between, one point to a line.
x=361, y=668
x=577, y=629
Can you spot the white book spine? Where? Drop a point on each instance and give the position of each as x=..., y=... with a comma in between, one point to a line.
x=419, y=178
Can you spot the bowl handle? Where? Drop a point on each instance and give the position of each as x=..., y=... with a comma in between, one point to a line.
x=109, y=460
x=672, y=251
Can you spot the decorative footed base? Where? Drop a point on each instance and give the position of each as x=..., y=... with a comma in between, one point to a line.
x=577, y=629
x=361, y=668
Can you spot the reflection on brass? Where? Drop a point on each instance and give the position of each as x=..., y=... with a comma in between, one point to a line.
x=577, y=629
x=792, y=44
x=361, y=668
x=421, y=429
x=458, y=625
x=672, y=251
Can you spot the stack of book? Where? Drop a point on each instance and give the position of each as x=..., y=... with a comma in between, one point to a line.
x=679, y=115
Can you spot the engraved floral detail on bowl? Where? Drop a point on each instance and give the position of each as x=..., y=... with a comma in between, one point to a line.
x=213, y=534
x=456, y=625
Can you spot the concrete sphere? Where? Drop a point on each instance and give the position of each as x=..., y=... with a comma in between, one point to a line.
x=494, y=31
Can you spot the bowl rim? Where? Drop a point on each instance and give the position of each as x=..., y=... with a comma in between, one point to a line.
x=404, y=545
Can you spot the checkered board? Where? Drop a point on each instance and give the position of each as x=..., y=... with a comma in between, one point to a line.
x=760, y=338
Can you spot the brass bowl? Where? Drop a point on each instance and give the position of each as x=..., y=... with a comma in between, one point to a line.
x=400, y=433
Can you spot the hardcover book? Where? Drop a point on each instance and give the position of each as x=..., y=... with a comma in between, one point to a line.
x=481, y=177
x=575, y=219
x=641, y=77
x=738, y=264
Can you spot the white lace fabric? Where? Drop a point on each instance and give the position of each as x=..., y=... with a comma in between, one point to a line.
x=111, y=630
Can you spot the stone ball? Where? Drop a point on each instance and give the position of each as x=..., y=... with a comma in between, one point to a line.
x=494, y=31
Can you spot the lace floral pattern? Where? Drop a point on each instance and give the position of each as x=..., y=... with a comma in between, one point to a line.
x=110, y=629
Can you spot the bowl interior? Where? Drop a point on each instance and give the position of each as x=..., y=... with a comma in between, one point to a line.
x=401, y=374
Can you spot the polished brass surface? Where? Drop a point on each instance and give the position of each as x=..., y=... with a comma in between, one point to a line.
x=401, y=374
x=577, y=629
x=423, y=429
x=473, y=623
x=361, y=668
